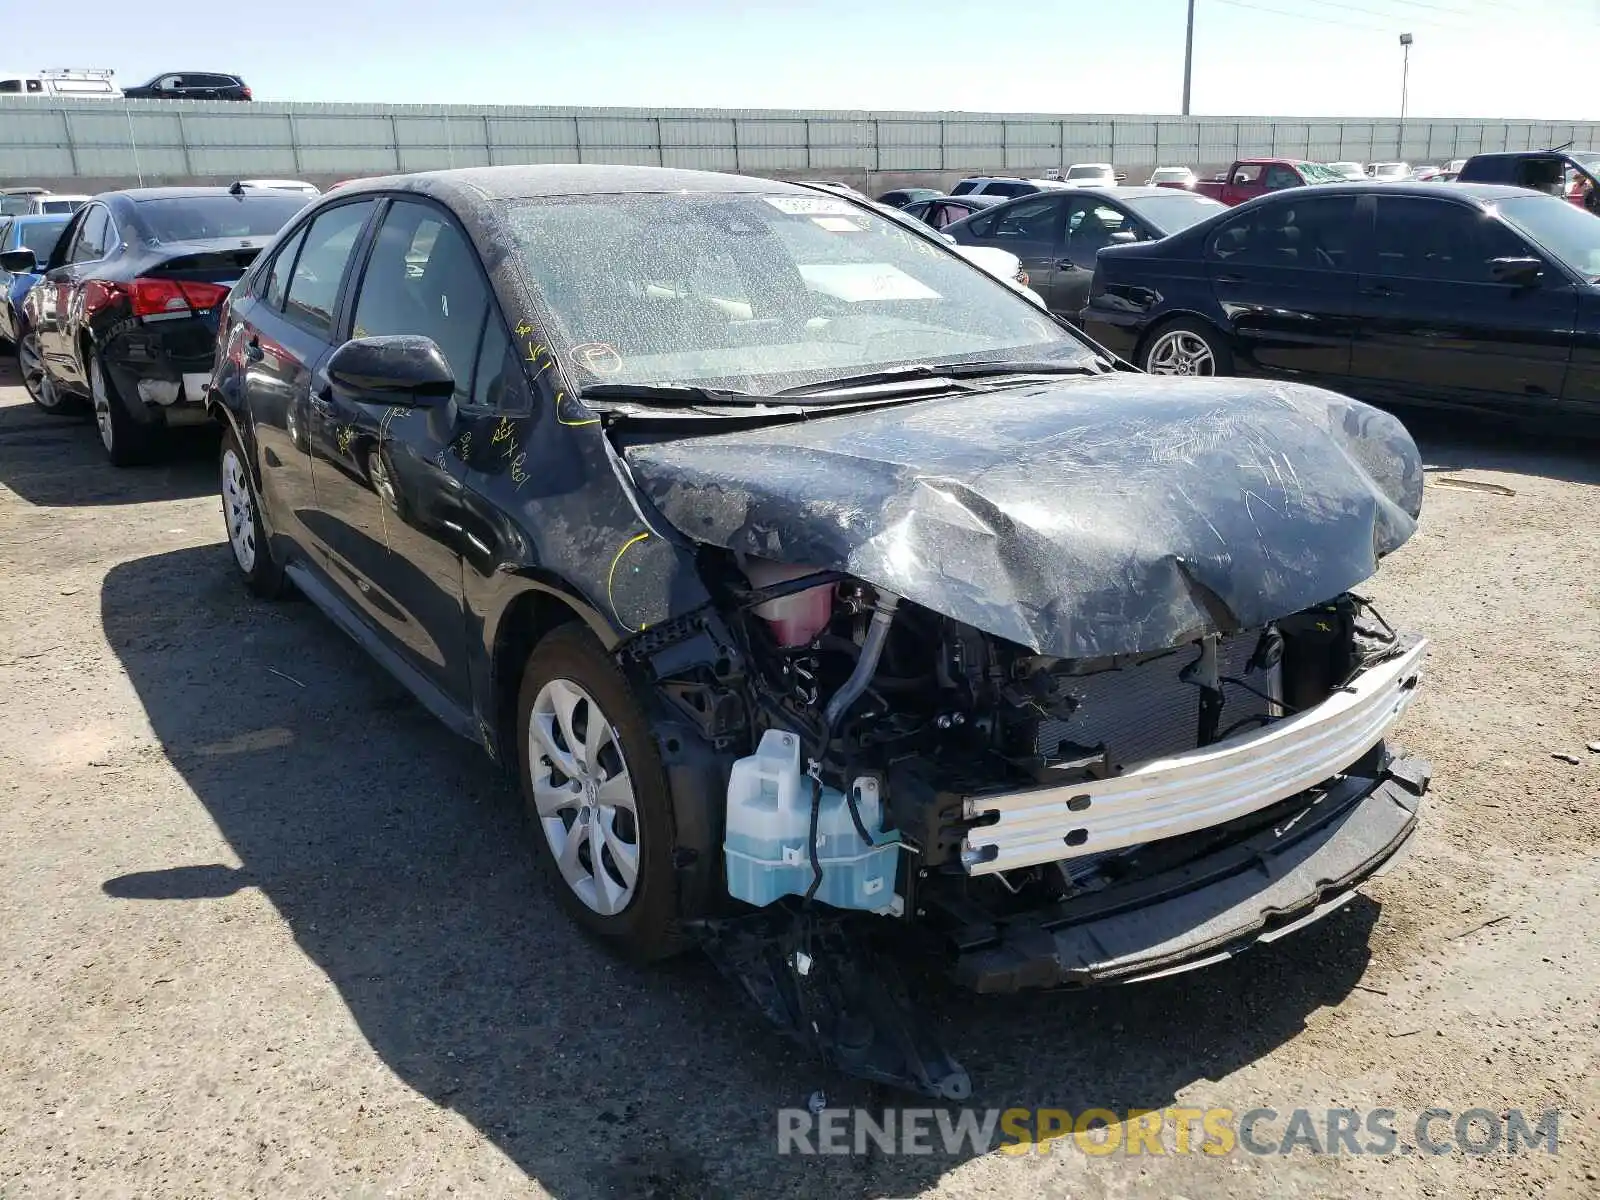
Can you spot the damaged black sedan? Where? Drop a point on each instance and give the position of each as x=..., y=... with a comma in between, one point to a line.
x=821, y=590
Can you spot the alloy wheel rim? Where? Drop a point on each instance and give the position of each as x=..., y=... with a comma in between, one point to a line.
x=102, y=406
x=1180, y=352
x=33, y=376
x=583, y=795
x=239, y=510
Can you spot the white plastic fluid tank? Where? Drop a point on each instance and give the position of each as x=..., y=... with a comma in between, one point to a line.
x=769, y=822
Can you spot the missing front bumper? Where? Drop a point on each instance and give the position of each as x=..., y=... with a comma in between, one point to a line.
x=1258, y=889
x=1185, y=793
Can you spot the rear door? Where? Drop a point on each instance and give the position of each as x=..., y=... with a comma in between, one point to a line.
x=286, y=349
x=1032, y=229
x=1433, y=322
x=1284, y=273
x=422, y=276
x=1090, y=224
x=61, y=304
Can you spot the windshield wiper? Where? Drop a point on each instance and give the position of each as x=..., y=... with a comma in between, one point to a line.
x=678, y=393
x=938, y=373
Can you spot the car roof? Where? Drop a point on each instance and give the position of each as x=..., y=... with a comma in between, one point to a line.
x=1485, y=193
x=139, y=195
x=570, y=179
x=196, y=71
x=40, y=218
x=1570, y=150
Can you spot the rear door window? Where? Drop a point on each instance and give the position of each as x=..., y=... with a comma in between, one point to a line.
x=1420, y=238
x=321, y=265
x=93, y=236
x=1314, y=233
x=275, y=285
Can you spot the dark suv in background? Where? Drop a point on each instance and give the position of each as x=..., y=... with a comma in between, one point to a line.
x=191, y=85
x=1571, y=174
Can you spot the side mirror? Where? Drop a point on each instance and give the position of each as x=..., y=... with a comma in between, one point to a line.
x=19, y=262
x=398, y=369
x=1123, y=236
x=1524, y=272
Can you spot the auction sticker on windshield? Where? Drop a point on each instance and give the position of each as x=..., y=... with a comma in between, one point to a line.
x=809, y=206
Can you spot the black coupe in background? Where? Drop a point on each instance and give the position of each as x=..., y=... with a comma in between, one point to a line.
x=125, y=317
x=1459, y=294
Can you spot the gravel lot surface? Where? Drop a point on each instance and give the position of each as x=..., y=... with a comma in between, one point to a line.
x=267, y=929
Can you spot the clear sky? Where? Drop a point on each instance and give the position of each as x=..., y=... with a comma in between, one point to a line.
x=1471, y=58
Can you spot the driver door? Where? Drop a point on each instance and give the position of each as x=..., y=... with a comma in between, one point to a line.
x=1032, y=229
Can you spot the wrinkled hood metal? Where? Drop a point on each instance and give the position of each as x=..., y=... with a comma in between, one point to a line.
x=1078, y=516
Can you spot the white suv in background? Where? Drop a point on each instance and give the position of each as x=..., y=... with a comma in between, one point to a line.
x=1095, y=175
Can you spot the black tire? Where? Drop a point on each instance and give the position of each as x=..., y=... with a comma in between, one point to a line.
x=647, y=927
x=260, y=571
x=1173, y=333
x=41, y=390
x=126, y=442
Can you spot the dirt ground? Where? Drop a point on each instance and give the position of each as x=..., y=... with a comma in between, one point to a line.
x=267, y=929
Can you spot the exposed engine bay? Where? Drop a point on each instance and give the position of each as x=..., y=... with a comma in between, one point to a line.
x=932, y=715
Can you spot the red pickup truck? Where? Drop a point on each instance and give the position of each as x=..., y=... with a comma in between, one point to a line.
x=1251, y=177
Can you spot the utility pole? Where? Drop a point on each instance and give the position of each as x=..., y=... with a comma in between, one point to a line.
x=1405, y=81
x=1188, y=58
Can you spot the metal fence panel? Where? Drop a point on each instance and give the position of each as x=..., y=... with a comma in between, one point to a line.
x=618, y=131
x=908, y=133
x=677, y=131
x=56, y=141
x=534, y=131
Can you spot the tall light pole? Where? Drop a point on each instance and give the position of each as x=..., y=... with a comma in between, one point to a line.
x=1188, y=58
x=1405, y=80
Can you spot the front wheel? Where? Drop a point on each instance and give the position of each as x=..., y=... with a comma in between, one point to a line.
x=597, y=796
x=36, y=381
x=1187, y=348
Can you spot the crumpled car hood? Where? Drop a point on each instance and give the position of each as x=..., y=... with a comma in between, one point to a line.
x=1077, y=517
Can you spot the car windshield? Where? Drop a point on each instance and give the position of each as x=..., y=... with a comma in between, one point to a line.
x=759, y=293
x=1164, y=174
x=1318, y=173
x=1088, y=172
x=1562, y=230
x=40, y=237
x=1169, y=214
x=196, y=218
x=1388, y=170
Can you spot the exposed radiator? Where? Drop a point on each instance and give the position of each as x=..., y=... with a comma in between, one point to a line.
x=1145, y=711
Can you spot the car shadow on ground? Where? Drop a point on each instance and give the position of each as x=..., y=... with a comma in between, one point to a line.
x=398, y=857
x=57, y=461
x=1470, y=441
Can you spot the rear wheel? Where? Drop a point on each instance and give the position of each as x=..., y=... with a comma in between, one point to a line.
x=1187, y=348
x=241, y=513
x=126, y=442
x=597, y=796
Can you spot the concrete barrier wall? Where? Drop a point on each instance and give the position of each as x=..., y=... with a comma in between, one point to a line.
x=87, y=145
